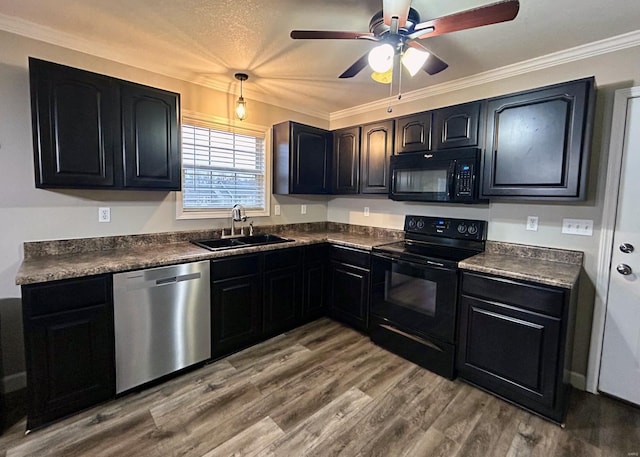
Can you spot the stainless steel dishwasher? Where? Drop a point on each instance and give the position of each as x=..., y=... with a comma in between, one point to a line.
x=162, y=319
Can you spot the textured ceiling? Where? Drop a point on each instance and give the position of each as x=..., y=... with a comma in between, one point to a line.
x=207, y=41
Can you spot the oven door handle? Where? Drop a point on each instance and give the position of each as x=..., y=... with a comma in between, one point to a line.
x=422, y=265
x=411, y=337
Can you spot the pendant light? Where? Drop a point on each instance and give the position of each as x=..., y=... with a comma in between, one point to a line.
x=241, y=105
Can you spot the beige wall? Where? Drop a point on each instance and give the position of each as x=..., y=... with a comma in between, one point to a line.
x=507, y=219
x=29, y=214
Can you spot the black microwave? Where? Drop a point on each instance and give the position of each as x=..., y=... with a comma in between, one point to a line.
x=439, y=176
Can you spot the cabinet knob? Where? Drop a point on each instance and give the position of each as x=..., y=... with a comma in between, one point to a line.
x=626, y=248
x=624, y=269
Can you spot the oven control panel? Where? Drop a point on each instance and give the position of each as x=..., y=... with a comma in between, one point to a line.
x=447, y=227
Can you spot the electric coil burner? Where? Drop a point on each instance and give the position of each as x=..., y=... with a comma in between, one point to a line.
x=415, y=289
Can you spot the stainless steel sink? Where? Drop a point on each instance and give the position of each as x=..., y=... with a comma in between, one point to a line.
x=240, y=242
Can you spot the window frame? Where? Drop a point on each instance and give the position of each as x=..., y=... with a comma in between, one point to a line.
x=215, y=122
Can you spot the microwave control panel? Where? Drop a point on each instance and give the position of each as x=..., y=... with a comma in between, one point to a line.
x=464, y=179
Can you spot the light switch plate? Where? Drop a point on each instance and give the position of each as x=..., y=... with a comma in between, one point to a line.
x=366, y=211
x=582, y=227
x=276, y=210
x=532, y=223
x=303, y=209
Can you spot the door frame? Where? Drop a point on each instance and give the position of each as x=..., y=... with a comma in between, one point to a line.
x=609, y=213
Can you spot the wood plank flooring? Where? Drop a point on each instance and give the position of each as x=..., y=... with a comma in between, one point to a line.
x=325, y=390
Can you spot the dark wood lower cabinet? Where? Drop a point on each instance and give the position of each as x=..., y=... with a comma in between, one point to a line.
x=315, y=282
x=349, y=296
x=282, y=298
x=235, y=303
x=69, y=347
x=513, y=341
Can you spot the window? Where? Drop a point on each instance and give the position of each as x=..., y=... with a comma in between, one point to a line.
x=221, y=166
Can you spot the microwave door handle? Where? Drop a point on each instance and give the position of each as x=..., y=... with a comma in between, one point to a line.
x=452, y=180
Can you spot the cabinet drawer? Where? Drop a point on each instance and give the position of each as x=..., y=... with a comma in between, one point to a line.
x=234, y=267
x=531, y=297
x=60, y=296
x=351, y=256
x=281, y=258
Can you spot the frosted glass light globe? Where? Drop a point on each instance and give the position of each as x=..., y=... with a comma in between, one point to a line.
x=381, y=58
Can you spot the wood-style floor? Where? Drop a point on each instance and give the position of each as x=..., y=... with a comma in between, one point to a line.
x=323, y=390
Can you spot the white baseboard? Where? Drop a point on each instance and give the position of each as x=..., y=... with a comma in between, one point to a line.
x=578, y=380
x=14, y=382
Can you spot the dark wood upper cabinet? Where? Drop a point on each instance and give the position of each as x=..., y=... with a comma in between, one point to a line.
x=457, y=126
x=75, y=134
x=302, y=159
x=413, y=133
x=346, y=161
x=94, y=131
x=376, y=150
x=150, y=138
x=538, y=142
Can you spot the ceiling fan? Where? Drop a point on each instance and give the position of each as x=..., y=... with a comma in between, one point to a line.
x=397, y=28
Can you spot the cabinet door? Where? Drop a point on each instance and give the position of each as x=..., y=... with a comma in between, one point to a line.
x=377, y=147
x=316, y=282
x=349, y=300
x=346, y=161
x=310, y=160
x=151, y=140
x=457, y=126
x=538, y=143
x=510, y=351
x=282, y=301
x=69, y=347
x=75, y=133
x=413, y=133
x=235, y=313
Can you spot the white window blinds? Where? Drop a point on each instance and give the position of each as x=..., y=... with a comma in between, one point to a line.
x=221, y=168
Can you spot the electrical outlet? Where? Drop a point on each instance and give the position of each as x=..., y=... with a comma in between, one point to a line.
x=276, y=210
x=366, y=211
x=532, y=223
x=303, y=209
x=104, y=214
x=582, y=227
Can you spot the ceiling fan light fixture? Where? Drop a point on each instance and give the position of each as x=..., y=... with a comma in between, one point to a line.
x=384, y=77
x=381, y=58
x=414, y=59
x=241, y=104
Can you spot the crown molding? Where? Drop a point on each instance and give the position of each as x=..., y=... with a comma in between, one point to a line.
x=49, y=35
x=624, y=41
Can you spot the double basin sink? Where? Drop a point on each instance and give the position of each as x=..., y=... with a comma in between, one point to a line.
x=240, y=242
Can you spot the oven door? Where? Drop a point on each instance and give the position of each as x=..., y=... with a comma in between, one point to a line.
x=416, y=297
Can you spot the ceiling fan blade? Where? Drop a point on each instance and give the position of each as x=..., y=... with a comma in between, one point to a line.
x=434, y=64
x=477, y=17
x=329, y=35
x=396, y=8
x=356, y=68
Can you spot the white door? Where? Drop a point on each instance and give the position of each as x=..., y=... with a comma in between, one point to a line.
x=620, y=365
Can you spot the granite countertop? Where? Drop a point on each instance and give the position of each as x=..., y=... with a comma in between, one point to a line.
x=64, y=259
x=553, y=267
x=50, y=261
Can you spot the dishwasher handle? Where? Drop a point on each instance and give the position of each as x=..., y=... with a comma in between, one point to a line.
x=174, y=279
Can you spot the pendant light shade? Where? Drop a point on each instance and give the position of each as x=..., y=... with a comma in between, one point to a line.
x=241, y=104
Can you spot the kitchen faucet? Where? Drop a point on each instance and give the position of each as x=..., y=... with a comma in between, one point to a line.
x=237, y=215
